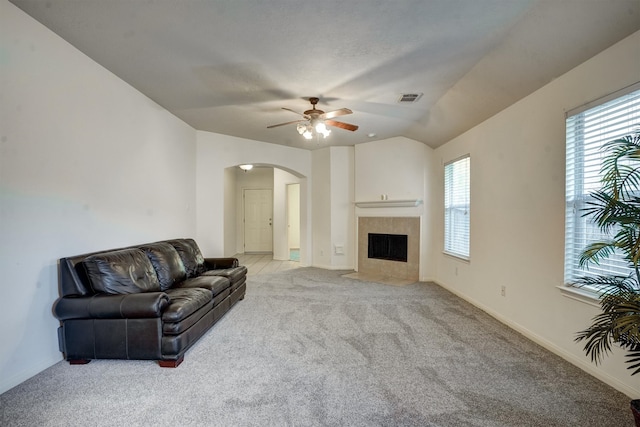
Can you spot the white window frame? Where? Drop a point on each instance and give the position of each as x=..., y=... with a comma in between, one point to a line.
x=588, y=128
x=457, y=207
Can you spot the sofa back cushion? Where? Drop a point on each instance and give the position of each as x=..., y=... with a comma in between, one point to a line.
x=190, y=255
x=166, y=262
x=126, y=271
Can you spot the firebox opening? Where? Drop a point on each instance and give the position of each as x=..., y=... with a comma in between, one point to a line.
x=392, y=247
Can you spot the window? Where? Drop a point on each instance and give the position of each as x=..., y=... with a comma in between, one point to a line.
x=456, y=207
x=588, y=128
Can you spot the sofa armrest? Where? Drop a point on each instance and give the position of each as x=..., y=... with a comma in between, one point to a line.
x=126, y=306
x=220, y=263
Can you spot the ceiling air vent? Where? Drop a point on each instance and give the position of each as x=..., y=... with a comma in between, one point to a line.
x=409, y=97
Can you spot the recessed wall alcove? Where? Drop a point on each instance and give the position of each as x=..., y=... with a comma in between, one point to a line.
x=409, y=226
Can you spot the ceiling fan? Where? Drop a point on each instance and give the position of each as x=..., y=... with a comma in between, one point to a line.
x=316, y=121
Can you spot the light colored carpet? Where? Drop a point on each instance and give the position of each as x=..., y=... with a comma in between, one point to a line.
x=308, y=347
x=379, y=278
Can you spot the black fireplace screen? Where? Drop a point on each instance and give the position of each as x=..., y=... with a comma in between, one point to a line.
x=391, y=247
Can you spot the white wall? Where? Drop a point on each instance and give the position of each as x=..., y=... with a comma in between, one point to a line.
x=342, y=208
x=232, y=219
x=517, y=211
x=401, y=169
x=86, y=163
x=216, y=153
x=321, y=195
x=281, y=180
x=333, y=221
x=293, y=215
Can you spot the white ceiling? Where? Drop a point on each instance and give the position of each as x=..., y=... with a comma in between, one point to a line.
x=228, y=66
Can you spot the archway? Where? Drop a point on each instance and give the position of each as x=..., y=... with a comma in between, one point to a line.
x=277, y=179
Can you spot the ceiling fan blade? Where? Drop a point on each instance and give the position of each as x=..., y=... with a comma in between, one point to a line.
x=293, y=111
x=287, y=123
x=341, y=125
x=336, y=113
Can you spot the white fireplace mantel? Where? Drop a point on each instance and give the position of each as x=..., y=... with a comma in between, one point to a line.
x=389, y=203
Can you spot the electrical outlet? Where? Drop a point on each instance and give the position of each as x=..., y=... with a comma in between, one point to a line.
x=503, y=291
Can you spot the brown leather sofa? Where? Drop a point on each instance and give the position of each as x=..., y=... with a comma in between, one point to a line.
x=151, y=301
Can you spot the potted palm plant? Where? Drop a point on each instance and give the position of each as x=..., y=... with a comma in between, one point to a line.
x=615, y=209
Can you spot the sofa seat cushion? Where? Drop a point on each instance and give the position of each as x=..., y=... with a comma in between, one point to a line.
x=125, y=271
x=166, y=262
x=215, y=284
x=183, y=302
x=234, y=274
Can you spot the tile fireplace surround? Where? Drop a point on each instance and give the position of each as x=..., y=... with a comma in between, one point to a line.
x=390, y=225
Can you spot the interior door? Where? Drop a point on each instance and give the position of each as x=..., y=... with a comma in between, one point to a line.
x=258, y=215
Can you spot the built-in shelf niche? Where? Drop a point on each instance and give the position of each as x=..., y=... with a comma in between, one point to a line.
x=409, y=203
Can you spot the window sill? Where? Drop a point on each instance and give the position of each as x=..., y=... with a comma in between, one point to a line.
x=457, y=256
x=582, y=295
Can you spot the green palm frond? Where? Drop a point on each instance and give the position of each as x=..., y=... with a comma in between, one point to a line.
x=626, y=242
x=615, y=209
x=611, y=285
x=608, y=212
x=620, y=172
x=634, y=359
x=596, y=252
x=619, y=323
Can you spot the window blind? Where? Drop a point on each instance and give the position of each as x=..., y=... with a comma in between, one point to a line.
x=586, y=133
x=456, y=207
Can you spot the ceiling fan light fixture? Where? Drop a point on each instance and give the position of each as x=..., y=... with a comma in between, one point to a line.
x=246, y=167
x=326, y=132
x=312, y=128
x=314, y=121
x=321, y=127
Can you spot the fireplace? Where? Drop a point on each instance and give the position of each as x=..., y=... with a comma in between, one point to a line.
x=389, y=246
x=392, y=247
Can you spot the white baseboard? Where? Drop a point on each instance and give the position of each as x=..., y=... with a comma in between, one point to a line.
x=21, y=376
x=580, y=363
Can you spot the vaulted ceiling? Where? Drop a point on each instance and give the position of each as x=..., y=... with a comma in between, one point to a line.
x=229, y=66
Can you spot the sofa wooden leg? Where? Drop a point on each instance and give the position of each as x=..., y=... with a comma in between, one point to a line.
x=78, y=361
x=170, y=363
